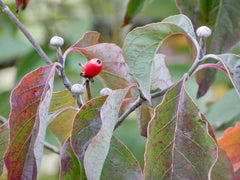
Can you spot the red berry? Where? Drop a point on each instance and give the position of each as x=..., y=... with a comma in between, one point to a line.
x=93, y=67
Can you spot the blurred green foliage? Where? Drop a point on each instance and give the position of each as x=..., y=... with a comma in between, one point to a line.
x=70, y=19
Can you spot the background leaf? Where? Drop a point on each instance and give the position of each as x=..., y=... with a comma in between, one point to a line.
x=142, y=43
x=30, y=102
x=176, y=133
x=60, y=100
x=223, y=18
x=224, y=110
x=61, y=123
x=133, y=8
x=4, y=135
x=230, y=143
x=120, y=163
x=97, y=150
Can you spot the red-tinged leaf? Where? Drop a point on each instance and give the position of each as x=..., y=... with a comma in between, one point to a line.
x=231, y=63
x=223, y=168
x=88, y=39
x=30, y=102
x=60, y=100
x=98, y=148
x=115, y=72
x=230, y=143
x=86, y=125
x=223, y=18
x=69, y=165
x=61, y=123
x=22, y=3
x=120, y=163
x=133, y=8
x=179, y=144
x=142, y=43
x=3, y=143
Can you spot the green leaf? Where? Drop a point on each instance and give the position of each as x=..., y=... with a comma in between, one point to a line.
x=4, y=135
x=223, y=168
x=179, y=144
x=223, y=18
x=30, y=102
x=60, y=100
x=120, y=163
x=98, y=148
x=142, y=43
x=133, y=8
x=69, y=165
x=86, y=125
x=61, y=123
x=231, y=63
x=224, y=110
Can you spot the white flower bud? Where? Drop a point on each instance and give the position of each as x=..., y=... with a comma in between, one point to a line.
x=203, y=32
x=77, y=89
x=56, y=41
x=105, y=91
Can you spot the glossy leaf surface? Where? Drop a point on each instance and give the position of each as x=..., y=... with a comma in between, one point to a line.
x=179, y=142
x=30, y=102
x=98, y=148
x=142, y=43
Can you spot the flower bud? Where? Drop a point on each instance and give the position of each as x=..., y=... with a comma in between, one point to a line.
x=77, y=89
x=105, y=91
x=203, y=32
x=56, y=41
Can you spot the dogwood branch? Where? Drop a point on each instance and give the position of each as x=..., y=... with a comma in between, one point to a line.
x=9, y=13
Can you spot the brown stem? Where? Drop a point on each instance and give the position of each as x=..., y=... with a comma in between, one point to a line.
x=88, y=90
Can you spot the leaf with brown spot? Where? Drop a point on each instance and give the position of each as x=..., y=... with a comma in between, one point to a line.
x=179, y=144
x=30, y=102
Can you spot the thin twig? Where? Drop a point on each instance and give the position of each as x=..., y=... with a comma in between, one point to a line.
x=51, y=148
x=9, y=13
x=60, y=74
x=134, y=106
